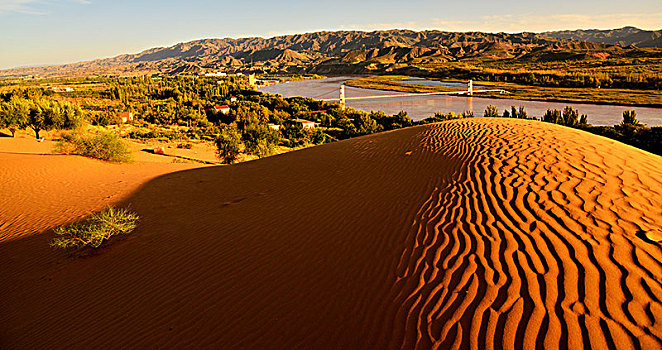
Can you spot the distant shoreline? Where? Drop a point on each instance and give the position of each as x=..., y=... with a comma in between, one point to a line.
x=519, y=92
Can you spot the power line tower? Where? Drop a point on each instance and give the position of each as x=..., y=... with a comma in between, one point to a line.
x=342, y=96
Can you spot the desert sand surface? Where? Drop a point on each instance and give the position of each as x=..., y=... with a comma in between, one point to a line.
x=41, y=190
x=477, y=234
x=204, y=152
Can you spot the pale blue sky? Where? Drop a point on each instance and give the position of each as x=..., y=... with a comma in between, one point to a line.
x=40, y=32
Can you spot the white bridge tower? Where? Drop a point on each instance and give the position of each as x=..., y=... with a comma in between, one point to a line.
x=342, y=96
x=470, y=88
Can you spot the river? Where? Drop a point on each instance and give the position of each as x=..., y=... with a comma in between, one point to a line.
x=420, y=107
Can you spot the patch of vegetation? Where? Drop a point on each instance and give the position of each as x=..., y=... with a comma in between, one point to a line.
x=260, y=140
x=629, y=131
x=491, y=112
x=104, y=145
x=32, y=108
x=619, y=71
x=184, y=110
x=518, y=90
x=295, y=77
x=95, y=230
x=228, y=144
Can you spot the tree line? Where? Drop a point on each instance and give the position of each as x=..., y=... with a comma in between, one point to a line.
x=630, y=131
x=556, y=78
x=31, y=109
x=249, y=125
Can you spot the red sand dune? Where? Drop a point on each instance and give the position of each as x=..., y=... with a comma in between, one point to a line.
x=479, y=233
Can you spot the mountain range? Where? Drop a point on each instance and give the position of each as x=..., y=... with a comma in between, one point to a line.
x=625, y=36
x=354, y=52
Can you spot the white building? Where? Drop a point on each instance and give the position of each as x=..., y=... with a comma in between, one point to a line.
x=307, y=124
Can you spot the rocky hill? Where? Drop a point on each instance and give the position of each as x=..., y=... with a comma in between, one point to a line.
x=625, y=36
x=324, y=52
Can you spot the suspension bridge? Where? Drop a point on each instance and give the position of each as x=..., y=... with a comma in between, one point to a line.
x=469, y=92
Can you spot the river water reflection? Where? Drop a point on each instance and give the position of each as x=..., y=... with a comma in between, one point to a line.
x=420, y=107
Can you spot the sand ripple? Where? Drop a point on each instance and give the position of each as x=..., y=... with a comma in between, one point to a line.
x=472, y=234
x=534, y=243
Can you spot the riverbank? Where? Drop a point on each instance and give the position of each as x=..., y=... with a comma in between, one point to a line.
x=421, y=106
x=628, y=97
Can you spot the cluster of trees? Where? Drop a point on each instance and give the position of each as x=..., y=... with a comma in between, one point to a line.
x=30, y=108
x=568, y=117
x=632, y=132
x=555, y=78
x=440, y=117
x=170, y=100
x=246, y=127
x=255, y=110
x=629, y=131
x=493, y=112
x=187, y=101
x=259, y=140
x=190, y=102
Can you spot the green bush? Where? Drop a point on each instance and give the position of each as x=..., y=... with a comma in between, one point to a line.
x=440, y=117
x=260, y=140
x=228, y=144
x=518, y=113
x=105, y=118
x=491, y=112
x=553, y=116
x=630, y=118
x=104, y=146
x=570, y=116
x=96, y=229
x=294, y=134
x=467, y=114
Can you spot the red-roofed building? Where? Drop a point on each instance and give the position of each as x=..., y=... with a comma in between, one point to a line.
x=223, y=109
x=126, y=117
x=233, y=99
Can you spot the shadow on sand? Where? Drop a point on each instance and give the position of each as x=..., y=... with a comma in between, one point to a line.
x=296, y=250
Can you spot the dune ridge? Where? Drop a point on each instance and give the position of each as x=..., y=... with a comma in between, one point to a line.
x=479, y=233
x=536, y=239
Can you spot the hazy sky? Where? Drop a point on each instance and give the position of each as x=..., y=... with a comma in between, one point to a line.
x=40, y=32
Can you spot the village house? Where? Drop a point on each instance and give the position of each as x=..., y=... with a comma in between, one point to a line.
x=126, y=117
x=223, y=109
x=61, y=88
x=306, y=124
x=273, y=126
x=233, y=99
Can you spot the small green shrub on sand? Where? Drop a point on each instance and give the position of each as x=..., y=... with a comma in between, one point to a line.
x=104, y=146
x=96, y=229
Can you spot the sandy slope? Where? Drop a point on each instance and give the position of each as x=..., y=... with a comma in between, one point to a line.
x=44, y=191
x=482, y=233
